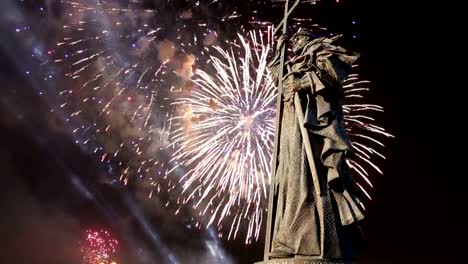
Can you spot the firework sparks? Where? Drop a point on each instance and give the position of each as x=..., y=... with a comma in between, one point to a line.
x=113, y=78
x=225, y=135
x=363, y=130
x=118, y=81
x=99, y=247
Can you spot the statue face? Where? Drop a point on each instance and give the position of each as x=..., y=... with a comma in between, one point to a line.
x=298, y=43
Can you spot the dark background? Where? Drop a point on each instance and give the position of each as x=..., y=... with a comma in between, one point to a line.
x=412, y=219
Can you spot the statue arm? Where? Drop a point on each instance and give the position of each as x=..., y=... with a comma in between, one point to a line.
x=274, y=64
x=304, y=78
x=332, y=62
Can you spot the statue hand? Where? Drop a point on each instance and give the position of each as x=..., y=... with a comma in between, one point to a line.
x=280, y=42
x=292, y=84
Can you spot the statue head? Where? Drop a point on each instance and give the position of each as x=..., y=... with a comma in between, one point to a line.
x=300, y=39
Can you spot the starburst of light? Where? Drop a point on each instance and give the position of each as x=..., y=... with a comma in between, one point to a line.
x=99, y=247
x=225, y=135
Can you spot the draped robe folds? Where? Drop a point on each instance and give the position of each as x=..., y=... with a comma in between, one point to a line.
x=321, y=68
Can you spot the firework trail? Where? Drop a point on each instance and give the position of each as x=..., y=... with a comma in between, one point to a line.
x=99, y=247
x=364, y=131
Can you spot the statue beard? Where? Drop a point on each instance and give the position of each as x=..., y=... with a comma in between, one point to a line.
x=298, y=48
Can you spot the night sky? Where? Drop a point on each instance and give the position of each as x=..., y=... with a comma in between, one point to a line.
x=51, y=194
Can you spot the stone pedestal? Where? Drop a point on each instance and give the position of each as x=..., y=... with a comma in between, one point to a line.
x=305, y=261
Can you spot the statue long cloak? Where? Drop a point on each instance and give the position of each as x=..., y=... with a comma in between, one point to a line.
x=321, y=68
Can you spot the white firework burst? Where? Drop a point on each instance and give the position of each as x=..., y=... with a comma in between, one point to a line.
x=225, y=135
x=364, y=131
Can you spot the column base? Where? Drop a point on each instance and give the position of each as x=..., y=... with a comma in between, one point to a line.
x=305, y=260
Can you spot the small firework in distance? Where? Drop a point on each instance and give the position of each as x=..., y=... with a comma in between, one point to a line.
x=98, y=247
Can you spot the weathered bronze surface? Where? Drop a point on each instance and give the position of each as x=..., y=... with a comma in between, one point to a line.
x=314, y=204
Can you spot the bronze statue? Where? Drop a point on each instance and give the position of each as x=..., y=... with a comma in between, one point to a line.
x=316, y=203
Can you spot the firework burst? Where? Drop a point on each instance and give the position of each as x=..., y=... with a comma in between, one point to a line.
x=225, y=135
x=98, y=247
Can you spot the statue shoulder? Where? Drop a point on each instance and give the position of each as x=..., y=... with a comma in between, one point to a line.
x=313, y=45
x=319, y=43
x=323, y=48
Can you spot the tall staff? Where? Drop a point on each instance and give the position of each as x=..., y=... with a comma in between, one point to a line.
x=284, y=50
